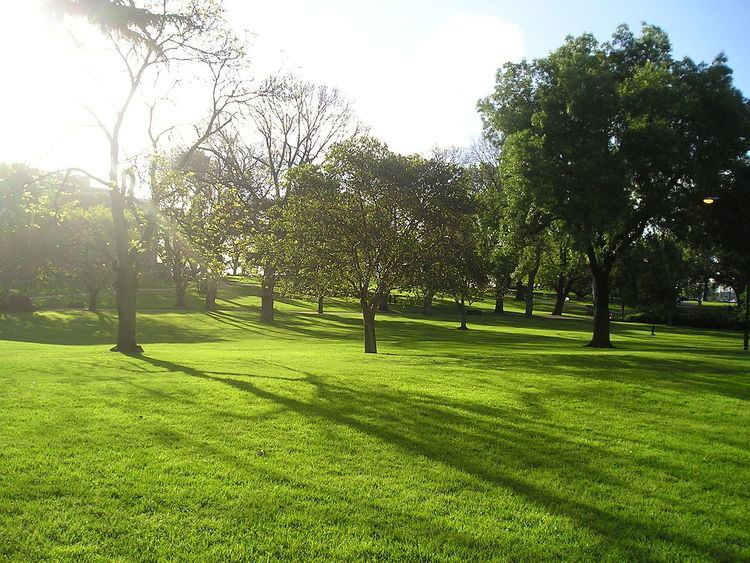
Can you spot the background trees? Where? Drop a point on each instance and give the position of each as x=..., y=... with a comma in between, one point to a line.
x=610, y=138
x=293, y=124
x=585, y=151
x=360, y=213
x=86, y=259
x=143, y=41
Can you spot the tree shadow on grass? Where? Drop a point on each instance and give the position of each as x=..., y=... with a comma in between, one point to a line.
x=82, y=328
x=497, y=447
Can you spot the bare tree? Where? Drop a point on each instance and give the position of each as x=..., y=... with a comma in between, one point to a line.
x=294, y=125
x=174, y=31
x=228, y=92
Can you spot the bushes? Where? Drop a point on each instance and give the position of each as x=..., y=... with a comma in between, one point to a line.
x=693, y=317
x=708, y=319
x=15, y=303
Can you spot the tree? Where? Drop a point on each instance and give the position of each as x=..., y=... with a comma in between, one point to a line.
x=293, y=124
x=561, y=266
x=726, y=223
x=143, y=40
x=25, y=217
x=492, y=207
x=360, y=212
x=466, y=269
x=661, y=275
x=87, y=260
x=611, y=138
x=445, y=187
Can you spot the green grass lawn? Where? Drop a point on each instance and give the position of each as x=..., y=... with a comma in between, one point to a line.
x=233, y=440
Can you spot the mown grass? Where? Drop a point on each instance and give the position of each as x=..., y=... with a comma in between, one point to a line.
x=233, y=440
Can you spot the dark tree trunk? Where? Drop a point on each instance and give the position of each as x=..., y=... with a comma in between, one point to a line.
x=320, y=304
x=383, y=306
x=427, y=304
x=529, y=311
x=180, y=301
x=499, y=304
x=126, y=275
x=462, y=311
x=266, y=298
x=704, y=292
x=126, y=287
x=560, y=296
x=562, y=290
x=559, y=305
x=746, y=338
x=501, y=286
x=368, y=318
x=212, y=289
x=601, y=334
x=93, y=294
x=670, y=317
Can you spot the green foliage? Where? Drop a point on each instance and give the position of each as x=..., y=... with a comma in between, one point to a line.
x=662, y=272
x=612, y=138
x=359, y=213
x=49, y=225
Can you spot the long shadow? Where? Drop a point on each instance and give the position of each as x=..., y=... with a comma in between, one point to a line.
x=82, y=328
x=486, y=447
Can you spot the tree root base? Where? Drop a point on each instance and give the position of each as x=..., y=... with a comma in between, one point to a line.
x=130, y=351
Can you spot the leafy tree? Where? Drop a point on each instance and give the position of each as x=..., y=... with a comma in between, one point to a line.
x=293, y=123
x=662, y=274
x=445, y=188
x=87, y=259
x=726, y=223
x=561, y=266
x=466, y=270
x=611, y=138
x=362, y=213
x=143, y=39
x=492, y=207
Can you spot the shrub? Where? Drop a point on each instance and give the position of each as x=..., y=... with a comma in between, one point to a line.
x=16, y=303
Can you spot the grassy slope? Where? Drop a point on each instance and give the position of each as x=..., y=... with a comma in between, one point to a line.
x=233, y=440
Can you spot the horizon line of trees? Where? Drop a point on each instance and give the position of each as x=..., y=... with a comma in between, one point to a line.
x=595, y=161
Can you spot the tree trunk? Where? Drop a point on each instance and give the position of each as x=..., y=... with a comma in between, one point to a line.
x=704, y=292
x=383, y=307
x=559, y=296
x=368, y=317
x=93, y=294
x=180, y=301
x=175, y=263
x=601, y=335
x=746, y=339
x=501, y=286
x=126, y=287
x=530, y=293
x=320, y=304
x=462, y=311
x=670, y=317
x=499, y=304
x=427, y=304
x=126, y=275
x=266, y=299
x=212, y=289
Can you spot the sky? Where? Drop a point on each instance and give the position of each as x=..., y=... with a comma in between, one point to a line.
x=414, y=69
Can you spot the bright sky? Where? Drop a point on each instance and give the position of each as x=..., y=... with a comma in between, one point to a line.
x=415, y=69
